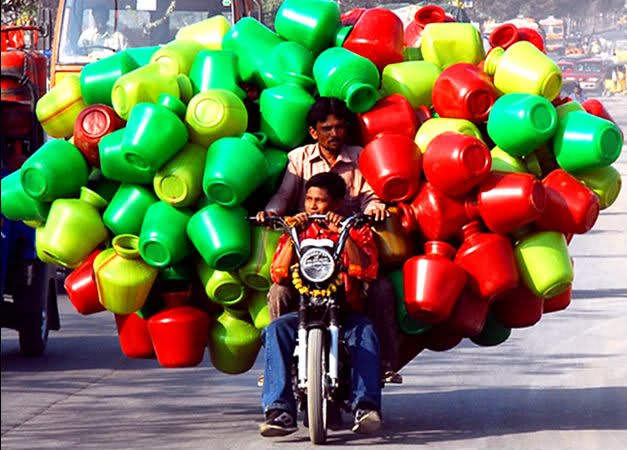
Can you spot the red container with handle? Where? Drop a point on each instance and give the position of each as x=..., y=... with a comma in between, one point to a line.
x=455, y=163
x=489, y=261
x=432, y=283
x=571, y=207
x=81, y=289
x=504, y=36
x=392, y=165
x=464, y=91
x=91, y=125
x=390, y=115
x=425, y=15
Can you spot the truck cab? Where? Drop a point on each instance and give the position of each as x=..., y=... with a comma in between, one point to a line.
x=119, y=24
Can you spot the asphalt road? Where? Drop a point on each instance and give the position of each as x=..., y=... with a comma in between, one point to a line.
x=561, y=384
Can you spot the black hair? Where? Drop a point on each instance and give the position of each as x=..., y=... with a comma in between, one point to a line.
x=329, y=106
x=330, y=182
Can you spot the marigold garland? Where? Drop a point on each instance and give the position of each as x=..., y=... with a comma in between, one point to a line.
x=304, y=290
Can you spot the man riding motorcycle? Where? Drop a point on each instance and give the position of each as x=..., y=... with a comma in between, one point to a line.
x=324, y=195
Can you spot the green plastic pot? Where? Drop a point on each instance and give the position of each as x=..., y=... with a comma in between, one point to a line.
x=234, y=169
x=448, y=43
x=17, y=205
x=493, y=333
x=179, y=181
x=284, y=112
x=214, y=114
x=97, y=78
x=233, y=344
x=221, y=236
x=60, y=240
x=178, y=55
x=222, y=287
x=115, y=166
x=215, y=69
x=208, y=32
x=127, y=209
x=288, y=62
x=255, y=273
x=141, y=55
x=504, y=162
x=101, y=185
x=258, y=309
x=407, y=324
x=58, y=169
x=520, y=123
x=352, y=78
x=414, y=80
x=123, y=279
x=312, y=23
x=59, y=108
x=605, y=182
x=163, y=238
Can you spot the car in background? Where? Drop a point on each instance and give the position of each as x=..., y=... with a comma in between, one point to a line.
x=590, y=74
x=565, y=66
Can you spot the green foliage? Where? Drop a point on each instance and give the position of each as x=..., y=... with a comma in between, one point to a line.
x=24, y=11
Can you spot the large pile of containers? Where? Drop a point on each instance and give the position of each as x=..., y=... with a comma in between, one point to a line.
x=159, y=155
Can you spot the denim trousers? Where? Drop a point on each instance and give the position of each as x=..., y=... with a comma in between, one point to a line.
x=279, y=342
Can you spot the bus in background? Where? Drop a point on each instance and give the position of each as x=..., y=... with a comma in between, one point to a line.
x=553, y=34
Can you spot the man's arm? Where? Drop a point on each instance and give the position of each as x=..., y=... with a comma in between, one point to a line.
x=286, y=196
x=370, y=202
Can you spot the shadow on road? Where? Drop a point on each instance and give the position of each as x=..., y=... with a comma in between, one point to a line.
x=598, y=293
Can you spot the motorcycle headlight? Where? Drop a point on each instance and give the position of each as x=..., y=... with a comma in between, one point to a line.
x=317, y=265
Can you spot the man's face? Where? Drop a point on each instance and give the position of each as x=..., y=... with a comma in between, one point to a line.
x=101, y=17
x=318, y=201
x=330, y=134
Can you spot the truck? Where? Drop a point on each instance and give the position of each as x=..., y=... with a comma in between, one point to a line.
x=553, y=29
x=27, y=285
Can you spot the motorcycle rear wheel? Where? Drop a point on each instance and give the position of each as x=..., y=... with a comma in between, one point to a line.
x=316, y=395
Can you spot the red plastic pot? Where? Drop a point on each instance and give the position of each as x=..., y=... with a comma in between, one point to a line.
x=351, y=17
x=469, y=314
x=596, y=108
x=559, y=302
x=504, y=36
x=172, y=299
x=425, y=15
x=134, y=338
x=81, y=289
x=179, y=336
x=391, y=115
x=392, y=166
x=441, y=338
x=464, y=91
x=436, y=215
x=91, y=125
x=507, y=201
x=455, y=163
x=531, y=35
x=432, y=283
x=571, y=207
x=489, y=261
x=423, y=113
x=518, y=308
x=378, y=36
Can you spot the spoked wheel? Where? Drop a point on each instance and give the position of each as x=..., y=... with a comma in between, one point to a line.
x=316, y=395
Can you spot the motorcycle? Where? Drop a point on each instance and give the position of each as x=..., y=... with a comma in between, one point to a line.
x=321, y=367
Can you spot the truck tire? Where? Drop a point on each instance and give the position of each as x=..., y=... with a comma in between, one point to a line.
x=316, y=396
x=34, y=333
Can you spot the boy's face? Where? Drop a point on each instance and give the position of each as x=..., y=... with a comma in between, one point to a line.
x=318, y=201
x=330, y=134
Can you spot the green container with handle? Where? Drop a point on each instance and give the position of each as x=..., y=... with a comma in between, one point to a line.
x=233, y=344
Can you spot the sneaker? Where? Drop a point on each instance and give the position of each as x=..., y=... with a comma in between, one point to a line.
x=260, y=381
x=367, y=421
x=277, y=423
x=392, y=377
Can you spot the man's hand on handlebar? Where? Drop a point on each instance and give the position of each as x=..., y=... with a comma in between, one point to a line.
x=261, y=216
x=377, y=212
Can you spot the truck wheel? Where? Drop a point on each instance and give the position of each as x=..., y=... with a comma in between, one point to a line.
x=34, y=333
x=316, y=395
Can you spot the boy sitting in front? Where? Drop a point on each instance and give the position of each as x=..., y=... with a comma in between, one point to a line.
x=324, y=195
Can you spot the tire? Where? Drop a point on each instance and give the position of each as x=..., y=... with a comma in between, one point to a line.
x=316, y=396
x=34, y=334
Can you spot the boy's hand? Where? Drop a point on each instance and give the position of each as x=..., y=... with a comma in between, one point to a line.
x=298, y=220
x=333, y=221
x=261, y=216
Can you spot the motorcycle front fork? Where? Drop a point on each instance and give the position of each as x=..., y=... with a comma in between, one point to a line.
x=333, y=349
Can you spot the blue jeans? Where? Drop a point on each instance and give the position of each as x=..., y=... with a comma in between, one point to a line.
x=279, y=343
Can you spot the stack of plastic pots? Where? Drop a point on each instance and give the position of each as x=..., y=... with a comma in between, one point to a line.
x=154, y=165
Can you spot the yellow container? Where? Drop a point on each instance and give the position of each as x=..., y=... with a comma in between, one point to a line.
x=504, y=162
x=209, y=32
x=144, y=84
x=448, y=43
x=605, y=182
x=569, y=107
x=258, y=308
x=179, y=181
x=522, y=68
x=214, y=114
x=178, y=55
x=438, y=125
x=58, y=109
x=223, y=288
x=414, y=80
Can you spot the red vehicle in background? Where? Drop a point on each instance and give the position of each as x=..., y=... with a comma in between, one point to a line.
x=590, y=74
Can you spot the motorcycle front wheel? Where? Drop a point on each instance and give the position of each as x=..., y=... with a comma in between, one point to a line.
x=316, y=395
